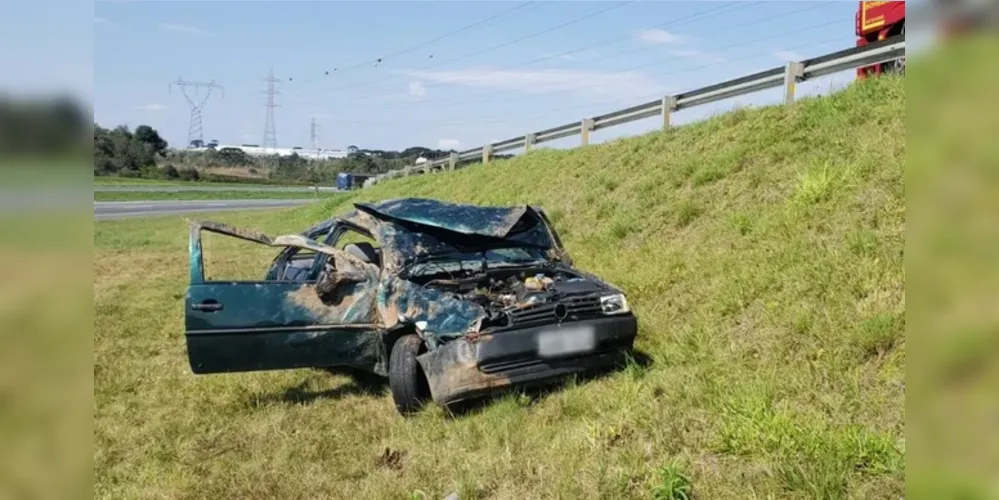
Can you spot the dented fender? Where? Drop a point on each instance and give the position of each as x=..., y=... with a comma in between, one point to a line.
x=440, y=316
x=452, y=371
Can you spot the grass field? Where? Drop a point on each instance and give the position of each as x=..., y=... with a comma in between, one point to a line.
x=130, y=181
x=211, y=195
x=762, y=251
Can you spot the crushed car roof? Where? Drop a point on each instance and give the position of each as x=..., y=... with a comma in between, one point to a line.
x=466, y=219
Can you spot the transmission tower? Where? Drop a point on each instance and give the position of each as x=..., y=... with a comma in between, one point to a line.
x=197, y=103
x=313, y=135
x=270, y=133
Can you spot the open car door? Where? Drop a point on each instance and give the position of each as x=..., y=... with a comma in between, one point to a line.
x=326, y=319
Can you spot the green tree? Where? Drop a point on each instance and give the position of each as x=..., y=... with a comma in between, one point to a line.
x=149, y=135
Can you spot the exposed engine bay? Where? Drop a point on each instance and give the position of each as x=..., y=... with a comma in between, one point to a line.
x=505, y=293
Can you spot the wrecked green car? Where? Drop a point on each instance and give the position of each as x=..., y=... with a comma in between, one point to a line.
x=449, y=301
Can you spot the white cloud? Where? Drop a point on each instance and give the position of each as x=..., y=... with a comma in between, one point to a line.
x=622, y=84
x=151, y=107
x=416, y=89
x=191, y=30
x=101, y=20
x=788, y=55
x=446, y=144
x=656, y=36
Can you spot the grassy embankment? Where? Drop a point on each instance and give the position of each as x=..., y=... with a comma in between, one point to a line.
x=762, y=251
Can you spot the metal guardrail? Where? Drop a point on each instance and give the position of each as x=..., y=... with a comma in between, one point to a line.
x=786, y=76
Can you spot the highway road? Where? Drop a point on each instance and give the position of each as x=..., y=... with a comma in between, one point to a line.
x=104, y=210
x=152, y=188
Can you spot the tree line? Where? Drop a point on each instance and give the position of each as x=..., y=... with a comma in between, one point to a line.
x=144, y=153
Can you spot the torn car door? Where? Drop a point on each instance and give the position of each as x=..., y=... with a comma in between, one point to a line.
x=328, y=319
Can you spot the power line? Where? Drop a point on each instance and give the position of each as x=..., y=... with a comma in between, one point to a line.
x=460, y=30
x=470, y=121
x=539, y=33
x=675, y=22
x=616, y=39
x=494, y=73
x=499, y=46
x=629, y=51
x=194, y=129
x=428, y=42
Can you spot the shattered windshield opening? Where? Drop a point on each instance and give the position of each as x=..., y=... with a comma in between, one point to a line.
x=457, y=262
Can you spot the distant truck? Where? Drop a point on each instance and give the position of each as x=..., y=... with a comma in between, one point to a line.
x=346, y=181
x=876, y=21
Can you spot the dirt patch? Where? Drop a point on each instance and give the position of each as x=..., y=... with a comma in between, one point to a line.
x=307, y=298
x=332, y=307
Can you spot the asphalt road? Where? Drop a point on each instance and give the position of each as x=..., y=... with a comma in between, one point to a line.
x=152, y=188
x=104, y=210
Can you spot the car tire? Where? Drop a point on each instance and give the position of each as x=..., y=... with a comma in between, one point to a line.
x=410, y=389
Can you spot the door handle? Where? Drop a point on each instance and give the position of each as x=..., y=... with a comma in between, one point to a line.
x=207, y=306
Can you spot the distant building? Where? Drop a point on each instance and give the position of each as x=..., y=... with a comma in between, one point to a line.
x=256, y=150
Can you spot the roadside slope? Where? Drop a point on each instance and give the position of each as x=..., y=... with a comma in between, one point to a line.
x=762, y=251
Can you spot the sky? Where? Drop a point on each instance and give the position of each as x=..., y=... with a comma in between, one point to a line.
x=448, y=74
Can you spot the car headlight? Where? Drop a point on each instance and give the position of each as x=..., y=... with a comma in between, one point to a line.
x=614, y=304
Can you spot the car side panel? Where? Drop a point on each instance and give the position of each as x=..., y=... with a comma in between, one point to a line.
x=233, y=326
x=267, y=326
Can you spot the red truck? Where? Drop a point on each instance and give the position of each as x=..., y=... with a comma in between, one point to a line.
x=877, y=21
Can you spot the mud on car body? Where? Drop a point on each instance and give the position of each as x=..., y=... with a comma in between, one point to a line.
x=448, y=301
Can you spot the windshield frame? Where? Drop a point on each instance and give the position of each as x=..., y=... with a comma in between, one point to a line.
x=458, y=260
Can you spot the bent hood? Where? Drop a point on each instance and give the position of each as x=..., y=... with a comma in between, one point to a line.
x=496, y=222
x=413, y=228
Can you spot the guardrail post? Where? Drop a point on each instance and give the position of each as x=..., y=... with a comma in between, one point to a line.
x=793, y=73
x=668, y=107
x=529, y=140
x=452, y=160
x=585, y=127
x=487, y=153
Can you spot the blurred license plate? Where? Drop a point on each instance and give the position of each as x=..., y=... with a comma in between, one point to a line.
x=566, y=340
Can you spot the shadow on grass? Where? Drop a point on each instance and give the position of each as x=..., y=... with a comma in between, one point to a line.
x=367, y=384
x=361, y=384
x=637, y=361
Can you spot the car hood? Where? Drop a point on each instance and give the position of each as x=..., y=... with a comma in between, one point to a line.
x=411, y=229
x=496, y=222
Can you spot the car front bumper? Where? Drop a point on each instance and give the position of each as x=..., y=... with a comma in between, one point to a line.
x=468, y=368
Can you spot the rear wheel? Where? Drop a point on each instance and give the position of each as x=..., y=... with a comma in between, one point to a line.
x=410, y=389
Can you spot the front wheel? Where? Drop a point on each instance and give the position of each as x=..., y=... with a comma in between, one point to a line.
x=406, y=379
x=898, y=65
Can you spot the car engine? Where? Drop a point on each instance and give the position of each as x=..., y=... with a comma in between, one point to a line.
x=505, y=295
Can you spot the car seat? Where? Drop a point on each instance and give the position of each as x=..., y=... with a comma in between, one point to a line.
x=364, y=251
